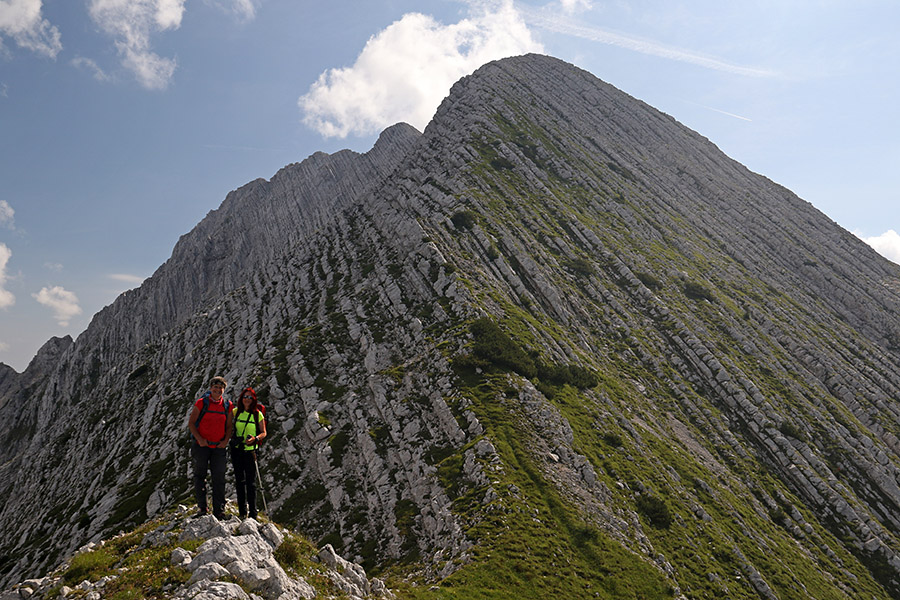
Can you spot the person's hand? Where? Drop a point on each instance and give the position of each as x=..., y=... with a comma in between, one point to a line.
x=202, y=443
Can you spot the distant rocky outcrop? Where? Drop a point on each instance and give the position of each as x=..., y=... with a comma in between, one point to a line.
x=555, y=328
x=15, y=386
x=255, y=224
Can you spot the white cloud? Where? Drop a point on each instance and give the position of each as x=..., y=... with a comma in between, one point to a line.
x=131, y=23
x=86, y=63
x=127, y=278
x=405, y=70
x=22, y=21
x=168, y=13
x=6, y=297
x=244, y=10
x=152, y=71
x=55, y=267
x=887, y=244
x=6, y=213
x=4, y=346
x=63, y=303
x=573, y=6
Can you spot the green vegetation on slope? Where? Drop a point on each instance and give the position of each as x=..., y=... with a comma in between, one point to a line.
x=531, y=543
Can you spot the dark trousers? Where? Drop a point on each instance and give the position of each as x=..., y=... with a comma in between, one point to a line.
x=215, y=461
x=245, y=480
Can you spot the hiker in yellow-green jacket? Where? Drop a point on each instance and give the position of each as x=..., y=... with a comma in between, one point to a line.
x=249, y=430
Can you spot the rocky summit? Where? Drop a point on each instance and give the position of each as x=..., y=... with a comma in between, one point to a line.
x=556, y=345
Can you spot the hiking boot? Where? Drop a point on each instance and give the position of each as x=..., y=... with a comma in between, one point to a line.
x=200, y=513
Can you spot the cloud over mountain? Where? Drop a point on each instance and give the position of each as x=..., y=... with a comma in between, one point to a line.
x=887, y=244
x=405, y=71
x=63, y=303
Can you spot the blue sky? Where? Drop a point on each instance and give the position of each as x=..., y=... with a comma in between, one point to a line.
x=123, y=122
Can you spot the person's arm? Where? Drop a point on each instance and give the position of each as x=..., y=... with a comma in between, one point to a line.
x=193, y=428
x=261, y=434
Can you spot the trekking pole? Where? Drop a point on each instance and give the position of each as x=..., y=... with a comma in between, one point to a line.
x=259, y=479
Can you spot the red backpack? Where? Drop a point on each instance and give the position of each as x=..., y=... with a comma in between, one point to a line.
x=205, y=409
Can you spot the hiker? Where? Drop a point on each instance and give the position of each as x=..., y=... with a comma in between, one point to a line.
x=249, y=431
x=211, y=426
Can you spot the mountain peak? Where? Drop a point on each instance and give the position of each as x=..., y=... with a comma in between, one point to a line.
x=557, y=327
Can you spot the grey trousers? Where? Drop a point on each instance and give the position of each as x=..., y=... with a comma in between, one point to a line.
x=214, y=461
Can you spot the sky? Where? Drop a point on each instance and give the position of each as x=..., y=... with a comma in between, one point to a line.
x=124, y=122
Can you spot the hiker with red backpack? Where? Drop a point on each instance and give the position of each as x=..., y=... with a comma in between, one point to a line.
x=249, y=419
x=211, y=425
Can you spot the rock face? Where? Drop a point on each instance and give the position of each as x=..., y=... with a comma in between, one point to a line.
x=684, y=345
